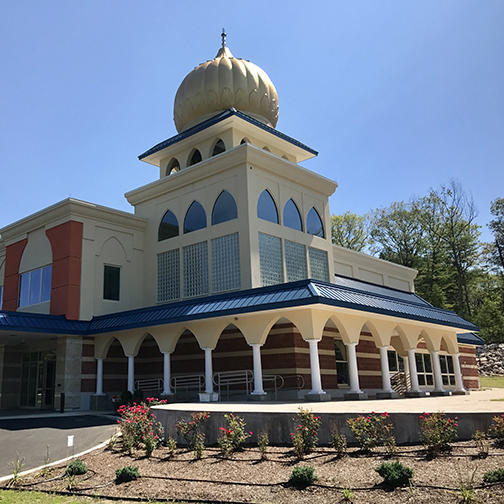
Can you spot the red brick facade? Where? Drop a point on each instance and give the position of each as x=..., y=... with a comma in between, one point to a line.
x=14, y=252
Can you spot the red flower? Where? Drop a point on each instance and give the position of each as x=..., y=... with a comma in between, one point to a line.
x=421, y=417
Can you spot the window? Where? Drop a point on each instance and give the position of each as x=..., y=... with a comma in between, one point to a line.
x=447, y=372
x=111, y=282
x=173, y=167
x=266, y=208
x=295, y=261
x=424, y=369
x=244, y=141
x=195, y=218
x=291, y=217
x=270, y=258
x=319, y=268
x=225, y=263
x=394, y=361
x=196, y=269
x=35, y=286
x=168, y=275
x=314, y=224
x=219, y=148
x=340, y=355
x=195, y=157
x=168, y=227
x=224, y=208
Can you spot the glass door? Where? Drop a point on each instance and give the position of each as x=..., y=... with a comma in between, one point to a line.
x=38, y=378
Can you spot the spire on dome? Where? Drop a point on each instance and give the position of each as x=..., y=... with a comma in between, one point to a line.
x=224, y=51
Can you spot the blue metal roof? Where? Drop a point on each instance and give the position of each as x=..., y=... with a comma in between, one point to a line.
x=218, y=118
x=302, y=293
x=470, y=339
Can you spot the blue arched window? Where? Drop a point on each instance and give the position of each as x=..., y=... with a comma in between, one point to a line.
x=168, y=227
x=266, y=208
x=314, y=224
x=195, y=157
x=224, y=208
x=219, y=147
x=291, y=216
x=195, y=218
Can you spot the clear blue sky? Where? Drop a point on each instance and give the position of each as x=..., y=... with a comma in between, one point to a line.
x=396, y=96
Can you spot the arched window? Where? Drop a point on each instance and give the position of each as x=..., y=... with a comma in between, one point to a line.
x=224, y=208
x=219, y=147
x=266, y=208
x=195, y=218
x=168, y=227
x=266, y=149
x=244, y=141
x=291, y=217
x=173, y=167
x=314, y=224
x=195, y=157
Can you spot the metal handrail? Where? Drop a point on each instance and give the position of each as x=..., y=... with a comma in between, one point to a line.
x=188, y=382
x=274, y=379
x=227, y=378
x=149, y=385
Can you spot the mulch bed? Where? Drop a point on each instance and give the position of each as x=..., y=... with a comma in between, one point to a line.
x=245, y=478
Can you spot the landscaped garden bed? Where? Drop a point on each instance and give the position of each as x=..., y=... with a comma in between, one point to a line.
x=142, y=464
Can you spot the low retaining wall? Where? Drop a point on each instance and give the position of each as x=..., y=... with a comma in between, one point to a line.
x=280, y=425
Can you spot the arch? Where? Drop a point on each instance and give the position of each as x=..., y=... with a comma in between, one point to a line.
x=314, y=223
x=194, y=157
x=291, y=216
x=266, y=149
x=195, y=218
x=244, y=141
x=111, y=248
x=224, y=208
x=168, y=227
x=172, y=167
x=266, y=207
x=219, y=147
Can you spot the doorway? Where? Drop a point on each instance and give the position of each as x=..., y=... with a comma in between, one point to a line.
x=38, y=380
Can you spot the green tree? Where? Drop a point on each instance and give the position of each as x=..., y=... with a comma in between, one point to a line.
x=350, y=231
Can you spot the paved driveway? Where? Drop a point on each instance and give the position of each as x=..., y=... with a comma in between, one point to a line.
x=30, y=438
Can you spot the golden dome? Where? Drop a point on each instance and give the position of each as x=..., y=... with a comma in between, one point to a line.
x=222, y=83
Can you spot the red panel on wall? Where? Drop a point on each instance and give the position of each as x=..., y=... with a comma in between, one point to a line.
x=66, y=243
x=13, y=256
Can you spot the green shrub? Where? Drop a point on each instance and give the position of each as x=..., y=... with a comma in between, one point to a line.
x=482, y=444
x=232, y=437
x=339, y=443
x=302, y=476
x=263, y=443
x=495, y=476
x=372, y=430
x=127, y=473
x=496, y=430
x=75, y=468
x=305, y=435
x=395, y=474
x=199, y=445
x=171, y=446
x=438, y=431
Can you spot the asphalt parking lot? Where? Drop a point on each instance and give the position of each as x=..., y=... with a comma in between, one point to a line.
x=33, y=440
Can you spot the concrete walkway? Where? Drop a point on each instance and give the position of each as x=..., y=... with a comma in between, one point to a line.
x=491, y=400
x=30, y=437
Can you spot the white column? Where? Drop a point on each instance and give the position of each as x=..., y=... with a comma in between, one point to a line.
x=99, y=376
x=406, y=370
x=353, y=370
x=459, y=382
x=316, y=380
x=413, y=370
x=166, y=374
x=131, y=373
x=258, y=380
x=385, y=372
x=436, y=367
x=208, y=371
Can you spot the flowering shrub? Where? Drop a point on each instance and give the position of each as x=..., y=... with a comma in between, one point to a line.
x=232, y=437
x=305, y=435
x=189, y=429
x=496, y=430
x=140, y=427
x=373, y=430
x=438, y=431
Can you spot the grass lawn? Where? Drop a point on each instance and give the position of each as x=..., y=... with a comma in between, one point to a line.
x=492, y=381
x=14, y=497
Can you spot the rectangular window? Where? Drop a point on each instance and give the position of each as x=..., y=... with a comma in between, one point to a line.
x=196, y=269
x=270, y=257
x=340, y=355
x=111, y=282
x=295, y=261
x=225, y=263
x=447, y=373
x=35, y=286
x=319, y=266
x=168, y=275
x=424, y=369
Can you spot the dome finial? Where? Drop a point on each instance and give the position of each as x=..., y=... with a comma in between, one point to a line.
x=224, y=51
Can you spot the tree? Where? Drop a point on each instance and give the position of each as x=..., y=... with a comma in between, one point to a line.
x=350, y=231
x=497, y=227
